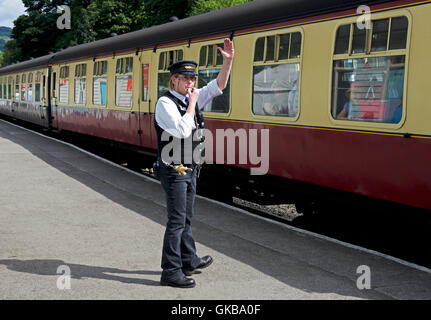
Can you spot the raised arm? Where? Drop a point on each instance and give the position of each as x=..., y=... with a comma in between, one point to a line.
x=227, y=52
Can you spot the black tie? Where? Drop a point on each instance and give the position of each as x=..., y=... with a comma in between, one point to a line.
x=187, y=101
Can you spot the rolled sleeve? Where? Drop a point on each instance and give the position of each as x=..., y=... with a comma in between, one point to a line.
x=207, y=93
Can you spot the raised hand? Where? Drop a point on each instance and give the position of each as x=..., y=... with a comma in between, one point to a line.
x=228, y=51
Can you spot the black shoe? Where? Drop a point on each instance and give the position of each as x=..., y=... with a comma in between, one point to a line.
x=180, y=283
x=205, y=262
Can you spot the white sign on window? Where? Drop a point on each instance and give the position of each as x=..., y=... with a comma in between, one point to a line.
x=123, y=91
x=80, y=91
x=64, y=91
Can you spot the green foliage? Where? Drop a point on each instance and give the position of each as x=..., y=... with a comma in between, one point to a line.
x=160, y=11
x=12, y=52
x=1, y=58
x=2, y=42
x=203, y=6
x=116, y=16
x=36, y=33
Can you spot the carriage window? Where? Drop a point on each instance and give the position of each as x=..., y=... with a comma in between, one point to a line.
x=64, y=84
x=23, y=88
x=80, y=83
x=124, y=82
x=284, y=46
x=259, y=49
x=270, y=52
x=359, y=38
x=30, y=87
x=385, y=34
x=165, y=60
x=3, y=88
x=17, y=94
x=370, y=88
x=210, y=62
x=276, y=74
x=379, y=39
x=9, y=88
x=398, y=36
x=100, y=69
x=342, y=40
x=2, y=80
x=37, y=86
x=295, y=46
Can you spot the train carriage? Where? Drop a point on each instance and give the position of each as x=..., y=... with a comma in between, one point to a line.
x=341, y=93
x=25, y=91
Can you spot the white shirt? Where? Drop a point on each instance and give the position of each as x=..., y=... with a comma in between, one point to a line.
x=169, y=118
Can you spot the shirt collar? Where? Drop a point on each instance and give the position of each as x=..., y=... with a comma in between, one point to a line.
x=178, y=95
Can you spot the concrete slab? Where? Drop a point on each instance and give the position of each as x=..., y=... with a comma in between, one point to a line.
x=61, y=207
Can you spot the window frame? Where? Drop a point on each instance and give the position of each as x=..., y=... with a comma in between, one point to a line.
x=10, y=87
x=123, y=63
x=38, y=76
x=30, y=81
x=371, y=54
x=79, y=73
x=64, y=74
x=17, y=92
x=163, y=69
x=100, y=70
x=276, y=61
x=23, y=82
x=213, y=65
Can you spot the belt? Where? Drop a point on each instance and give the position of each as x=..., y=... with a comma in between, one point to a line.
x=182, y=169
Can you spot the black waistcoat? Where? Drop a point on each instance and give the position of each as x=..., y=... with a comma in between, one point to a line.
x=183, y=148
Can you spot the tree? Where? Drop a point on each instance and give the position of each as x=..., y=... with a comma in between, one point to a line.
x=116, y=16
x=12, y=53
x=1, y=58
x=82, y=26
x=36, y=33
x=203, y=6
x=160, y=11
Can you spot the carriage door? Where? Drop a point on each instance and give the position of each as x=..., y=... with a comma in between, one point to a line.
x=53, y=95
x=145, y=118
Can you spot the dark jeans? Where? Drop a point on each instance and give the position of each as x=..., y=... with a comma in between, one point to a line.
x=179, y=251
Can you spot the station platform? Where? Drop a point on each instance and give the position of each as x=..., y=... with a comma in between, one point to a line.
x=60, y=206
